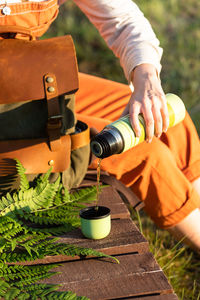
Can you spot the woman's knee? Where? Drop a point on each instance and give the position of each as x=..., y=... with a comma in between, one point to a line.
x=188, y=230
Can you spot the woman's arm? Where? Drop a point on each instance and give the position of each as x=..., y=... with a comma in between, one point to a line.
x=126, y=31
x=130, y=36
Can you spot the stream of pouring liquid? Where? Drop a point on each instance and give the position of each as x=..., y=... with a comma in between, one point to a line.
x=98, y=181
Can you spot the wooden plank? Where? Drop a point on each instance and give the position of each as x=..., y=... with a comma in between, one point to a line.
x=110, y=198
x=154, y=297
x=123, y=238
x=136, y=275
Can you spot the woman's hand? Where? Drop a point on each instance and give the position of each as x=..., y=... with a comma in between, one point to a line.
x=149, y=99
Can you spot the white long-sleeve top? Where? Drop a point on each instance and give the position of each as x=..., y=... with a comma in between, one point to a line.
x=126, y=31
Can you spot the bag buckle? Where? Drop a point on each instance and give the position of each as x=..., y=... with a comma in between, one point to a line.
x=54, y=122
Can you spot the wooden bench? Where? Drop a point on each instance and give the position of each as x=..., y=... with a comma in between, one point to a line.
x=138, y=276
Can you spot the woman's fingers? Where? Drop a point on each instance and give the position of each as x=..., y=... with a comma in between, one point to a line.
x=155, y=113
x=149, y=100
x=160, y=114
x=149, y=123
x=134, y=113
x=165, y=114
x=158, y=124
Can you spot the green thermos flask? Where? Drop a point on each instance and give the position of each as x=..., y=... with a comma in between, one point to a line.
x=119, y=136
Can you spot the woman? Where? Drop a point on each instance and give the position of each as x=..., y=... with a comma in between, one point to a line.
x=165, y=171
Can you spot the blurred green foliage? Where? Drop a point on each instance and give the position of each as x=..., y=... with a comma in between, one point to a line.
x=176, y=24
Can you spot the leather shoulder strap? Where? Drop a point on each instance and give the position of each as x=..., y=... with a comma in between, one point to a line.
x=80, y=139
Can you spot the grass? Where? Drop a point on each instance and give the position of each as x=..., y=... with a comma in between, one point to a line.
x=180, y=264
x=177, y=25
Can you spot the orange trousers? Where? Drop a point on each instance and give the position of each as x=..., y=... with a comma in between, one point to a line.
x=159, y=173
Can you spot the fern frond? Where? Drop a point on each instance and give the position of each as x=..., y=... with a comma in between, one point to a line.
x=66, y=196
x=59, y=211
x=12, y=293
x=44, y=178
x=41, y=286
x=85, y=195
x=65, y=296
x=73, y=201
x=56, y=219
x=46, y=192
x=9, y=229
x=52, y=249
x=23, y=296
x=24, y=183
x=58, y=230
x=4, y=286
x=6, y=224
x=32, y=199
x=47, y=291
x=73, y=250
x=35, y=278
x=23, y=238
x=13, y=232
x=17, y=272
x=20, y=256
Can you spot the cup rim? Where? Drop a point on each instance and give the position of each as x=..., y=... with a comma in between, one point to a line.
x=103, y=212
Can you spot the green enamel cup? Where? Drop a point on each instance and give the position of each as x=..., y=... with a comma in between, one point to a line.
x=95, y=222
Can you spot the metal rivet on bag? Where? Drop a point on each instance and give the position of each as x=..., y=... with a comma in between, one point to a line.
x=51, y=162
x=49, y=79
x=6, y=11
x=51, y=89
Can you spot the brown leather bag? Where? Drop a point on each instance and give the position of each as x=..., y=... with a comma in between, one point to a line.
x=37, y=79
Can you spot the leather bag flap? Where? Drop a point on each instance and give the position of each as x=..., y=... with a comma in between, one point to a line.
x=24, y=63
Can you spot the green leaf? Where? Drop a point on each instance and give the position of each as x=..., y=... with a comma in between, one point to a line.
x=24, y=184
x=13, y=244
x=12, y=293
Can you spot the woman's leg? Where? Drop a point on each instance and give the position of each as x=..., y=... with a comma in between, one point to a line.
x=188, y=230
x=160, y=173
